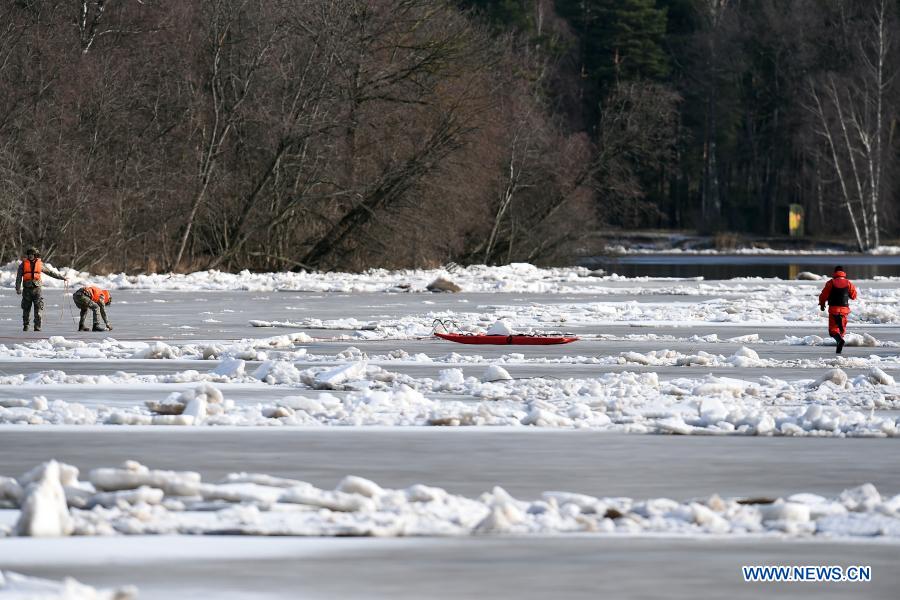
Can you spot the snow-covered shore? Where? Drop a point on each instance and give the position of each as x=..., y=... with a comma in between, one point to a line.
x=517, y=277
x=512, y=278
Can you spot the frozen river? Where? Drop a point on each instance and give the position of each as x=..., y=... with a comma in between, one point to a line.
x=467, y=461
x=450, y=569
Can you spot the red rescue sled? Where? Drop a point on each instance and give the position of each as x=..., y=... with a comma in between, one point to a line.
x=523, y=340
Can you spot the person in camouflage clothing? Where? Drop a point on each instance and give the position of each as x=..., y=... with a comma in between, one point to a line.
x=28, y=285
x=96, y=300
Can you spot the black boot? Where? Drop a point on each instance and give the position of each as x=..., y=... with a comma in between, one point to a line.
x=97, y=328
x=25, y=327
x=839, y=340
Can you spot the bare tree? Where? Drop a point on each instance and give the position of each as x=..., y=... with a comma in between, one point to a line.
x=99, y=18
x=302, y=113
x=234, y=53
x=637, y=131
x=853, y=115
x=284, y=134
x=410, y=102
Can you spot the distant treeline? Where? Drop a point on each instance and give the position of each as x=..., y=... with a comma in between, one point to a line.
x=345, y=134
x=776, y=102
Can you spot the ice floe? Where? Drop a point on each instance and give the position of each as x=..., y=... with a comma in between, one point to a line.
x=62, y=348
x=833, y=404
x=136, y=500
x=44, y=512
x=294, y=347
x=16, y=586
x=516, y=277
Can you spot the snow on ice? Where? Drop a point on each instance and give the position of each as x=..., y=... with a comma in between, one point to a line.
x=15, y=586
x=834, y=404
x=512, y=278
x=136, y=500
x=290, y=347
x=516, y=277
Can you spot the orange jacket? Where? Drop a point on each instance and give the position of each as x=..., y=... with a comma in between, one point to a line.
x=31, y=273
x=96, y=294
x=837, y=293
x=31, y=269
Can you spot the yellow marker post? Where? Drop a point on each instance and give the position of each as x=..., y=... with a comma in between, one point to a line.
x=795, y=220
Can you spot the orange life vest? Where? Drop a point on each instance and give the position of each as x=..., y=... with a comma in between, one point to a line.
x=31, y=269
x=97, y=295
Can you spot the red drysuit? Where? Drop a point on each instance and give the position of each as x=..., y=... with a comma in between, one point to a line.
x=838, y=293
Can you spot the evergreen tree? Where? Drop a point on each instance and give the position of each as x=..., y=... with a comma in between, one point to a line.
x=505, y=14
x=622, y=39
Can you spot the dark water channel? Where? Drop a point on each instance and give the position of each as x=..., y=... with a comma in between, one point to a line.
x=728, y=266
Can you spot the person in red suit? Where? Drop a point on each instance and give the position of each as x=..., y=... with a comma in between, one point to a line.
x=838, y=293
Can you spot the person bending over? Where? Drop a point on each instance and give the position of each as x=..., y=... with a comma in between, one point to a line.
x=96, y=300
